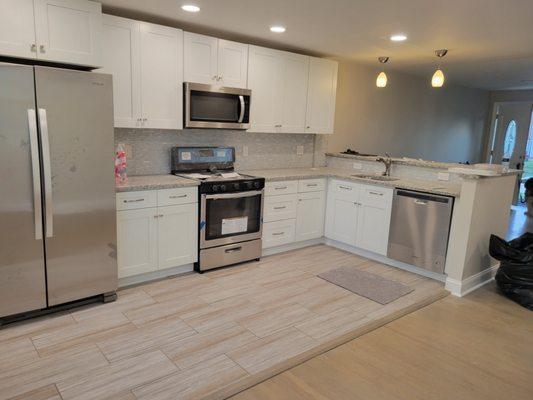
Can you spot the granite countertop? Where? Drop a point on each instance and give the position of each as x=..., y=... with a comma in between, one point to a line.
x=436, y=187
x=154, y=182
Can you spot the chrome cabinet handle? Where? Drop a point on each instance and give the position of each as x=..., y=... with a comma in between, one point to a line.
x=215, y=77
x=311, y=184
x=133, y=201
x=280, y=188
x=42, y=49
x=345, y=188
x=280, y=208
x=33, y=48
x=47, y=172
x=278, y=233
x=376, y=193
x=233, y=249
x=177, y=197
x=36, y=173
x=158, y=216
x=278, y=126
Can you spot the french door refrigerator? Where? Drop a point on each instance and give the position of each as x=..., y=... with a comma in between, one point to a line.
x=57, y=193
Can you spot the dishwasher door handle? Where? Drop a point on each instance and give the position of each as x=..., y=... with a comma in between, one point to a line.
x=421, y=202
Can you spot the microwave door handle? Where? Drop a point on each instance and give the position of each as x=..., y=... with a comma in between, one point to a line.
x=243, y=106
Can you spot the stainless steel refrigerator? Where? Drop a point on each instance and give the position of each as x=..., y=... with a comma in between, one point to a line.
x=57, y=193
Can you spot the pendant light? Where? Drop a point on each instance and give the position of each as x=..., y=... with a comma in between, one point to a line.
x=381, y=80
x=437, y=80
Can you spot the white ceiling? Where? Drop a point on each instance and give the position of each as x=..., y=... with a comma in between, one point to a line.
x=490, y=42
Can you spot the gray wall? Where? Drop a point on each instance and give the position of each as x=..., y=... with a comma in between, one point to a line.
x=148, y=151
x=408, y=117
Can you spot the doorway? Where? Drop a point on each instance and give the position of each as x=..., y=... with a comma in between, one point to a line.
x=511, y=141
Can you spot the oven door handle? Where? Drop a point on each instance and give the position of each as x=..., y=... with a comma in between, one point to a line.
x=243, y=106
x=233, y=195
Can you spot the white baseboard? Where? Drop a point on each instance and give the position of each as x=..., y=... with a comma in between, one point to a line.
x=155, y=275
x=385, y=260
x=462, y=288
x=291, y=246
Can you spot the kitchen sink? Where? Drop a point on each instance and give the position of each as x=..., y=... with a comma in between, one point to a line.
x=376, y=177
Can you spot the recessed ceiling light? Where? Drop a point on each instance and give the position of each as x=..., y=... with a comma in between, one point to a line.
x=190, y=8
x=277, y=29
x=398, y=38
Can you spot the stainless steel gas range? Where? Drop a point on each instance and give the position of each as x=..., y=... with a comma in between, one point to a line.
x=231, y=206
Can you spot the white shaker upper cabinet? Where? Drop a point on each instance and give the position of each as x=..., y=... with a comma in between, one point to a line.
x=161, y=76
x=294, y=93
x=233, y=64
x=321, y=95
x=200, y=58
x=265, y=68
x=121, y=58
x=69, y=31
x=17, y=29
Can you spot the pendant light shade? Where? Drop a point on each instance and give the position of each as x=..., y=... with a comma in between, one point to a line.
x=381, y=80
x=438, y=79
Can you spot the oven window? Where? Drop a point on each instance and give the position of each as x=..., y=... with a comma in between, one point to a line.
x=232, y=216
x=217, y=107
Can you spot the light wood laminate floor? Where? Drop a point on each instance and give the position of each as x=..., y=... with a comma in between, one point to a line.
x=476, y=347
x=198, y=336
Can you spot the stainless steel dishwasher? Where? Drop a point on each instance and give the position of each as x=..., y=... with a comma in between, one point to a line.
x=419, y=229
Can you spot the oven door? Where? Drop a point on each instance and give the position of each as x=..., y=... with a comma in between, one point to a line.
x=210, y=106
x=230, y=218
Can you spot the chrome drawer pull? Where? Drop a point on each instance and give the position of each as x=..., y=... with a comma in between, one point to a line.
x=311, y=184
x=280, y=188
x=280, y=208
x=345, y=187
x=181, y=196
x=376, y=193
x=133, y=201
x=233, y=250
x=278, y=233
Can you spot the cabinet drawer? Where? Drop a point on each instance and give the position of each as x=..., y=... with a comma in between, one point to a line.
x=173, y=197
x=278, y=233
x=311, y=185
x=280, y=207
x=375, y=196
x=344, y=188
x=283, y=187
x=135, y=200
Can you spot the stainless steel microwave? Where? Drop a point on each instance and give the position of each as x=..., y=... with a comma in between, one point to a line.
x=216, y=107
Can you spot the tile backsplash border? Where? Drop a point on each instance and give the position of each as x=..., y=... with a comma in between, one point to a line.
x=148, y=150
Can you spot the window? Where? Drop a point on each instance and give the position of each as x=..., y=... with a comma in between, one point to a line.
x=509, y=142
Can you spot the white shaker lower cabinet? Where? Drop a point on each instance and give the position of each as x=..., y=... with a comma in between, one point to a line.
x=310, y=216
x=136, y=241
x=158, y=236
x=359, y=215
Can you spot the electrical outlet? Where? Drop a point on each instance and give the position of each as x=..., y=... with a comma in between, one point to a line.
x=443, y=176
x=357, y=165
x=128, y=148
x=300, y=150
x=245, y=151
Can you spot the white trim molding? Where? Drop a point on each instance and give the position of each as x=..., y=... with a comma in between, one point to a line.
x=154, y=275
x=291, y=246
x=462, y=288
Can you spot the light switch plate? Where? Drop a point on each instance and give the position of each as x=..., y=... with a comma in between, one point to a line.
x=245, y=151
x=300, y=150
x=357, y=165
x=443, y=176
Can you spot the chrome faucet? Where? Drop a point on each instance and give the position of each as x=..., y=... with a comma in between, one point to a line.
x=387, y=161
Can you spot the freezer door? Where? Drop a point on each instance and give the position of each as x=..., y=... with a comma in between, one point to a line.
x=76, y=126
x=22, y=274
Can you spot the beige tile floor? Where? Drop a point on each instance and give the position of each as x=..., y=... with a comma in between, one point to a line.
x=199, y=336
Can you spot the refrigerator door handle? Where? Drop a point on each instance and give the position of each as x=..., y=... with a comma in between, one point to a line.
x=36, y=174
x=47, y=170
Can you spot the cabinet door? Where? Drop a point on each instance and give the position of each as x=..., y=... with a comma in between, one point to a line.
x=17, y=29
x=161, y=77
x=178, y=235
x=136, y=241
x=374, y=219
x=69, y=31
x=341, y=218
x=294, y=93
x=321, y=95
x=264, y=79
x=233, y=64
x=120, y=58
x=200, y=58
x=310, y=215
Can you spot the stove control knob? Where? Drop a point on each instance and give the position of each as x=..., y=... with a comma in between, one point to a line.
x=215, y=188
x=236, y=186
x=222, y=188
x=249, y=185
x=257, y=185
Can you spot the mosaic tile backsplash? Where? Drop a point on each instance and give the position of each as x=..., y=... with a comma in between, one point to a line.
x=148, y=151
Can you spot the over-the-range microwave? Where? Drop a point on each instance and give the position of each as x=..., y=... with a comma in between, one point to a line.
x=211, y=106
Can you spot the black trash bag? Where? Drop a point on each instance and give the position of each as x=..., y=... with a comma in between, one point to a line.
x=515, y=275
